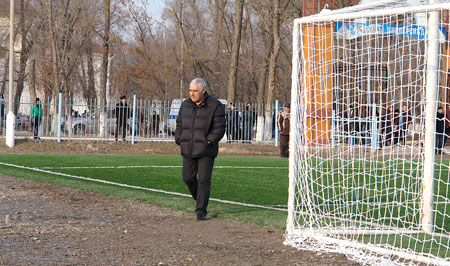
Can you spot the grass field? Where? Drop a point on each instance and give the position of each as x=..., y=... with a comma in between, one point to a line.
x=262, y=182
x=251, y=189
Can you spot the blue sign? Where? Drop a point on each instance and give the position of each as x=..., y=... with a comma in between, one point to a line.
x=354, y=30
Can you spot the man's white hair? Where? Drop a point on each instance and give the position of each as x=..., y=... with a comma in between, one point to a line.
x=199, y=81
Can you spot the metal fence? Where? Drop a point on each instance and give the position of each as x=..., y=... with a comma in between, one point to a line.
x=148, y=120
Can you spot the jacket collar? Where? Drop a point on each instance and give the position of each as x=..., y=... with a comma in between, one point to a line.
x=202, y=104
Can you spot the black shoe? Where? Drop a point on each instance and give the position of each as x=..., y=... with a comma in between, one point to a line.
x=201, y=216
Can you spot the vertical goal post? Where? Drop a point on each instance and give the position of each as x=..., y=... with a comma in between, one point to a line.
x=366, y=178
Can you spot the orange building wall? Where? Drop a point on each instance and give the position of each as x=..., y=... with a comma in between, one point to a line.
x=317, y=94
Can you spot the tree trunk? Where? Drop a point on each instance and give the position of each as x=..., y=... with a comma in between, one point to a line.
x=56, y=80
x=5, y=74
x=262, y=86
x=104, y=67
x=234, y=63
x=24, y=50
x=32, y=78
x=92, y=93
x=272, y=64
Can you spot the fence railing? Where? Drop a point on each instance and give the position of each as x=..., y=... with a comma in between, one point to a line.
x=148, y=120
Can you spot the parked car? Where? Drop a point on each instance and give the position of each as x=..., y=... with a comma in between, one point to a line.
x=22, y=121
x=90, y=123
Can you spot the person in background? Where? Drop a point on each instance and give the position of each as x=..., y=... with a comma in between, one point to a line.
x=349, y=116
x=405, y=121
x=232, y=117
x=396, y=126
x=200, y=126
x=447, y=124
x=248, y=123
x=284, y=119
x=440, y=130
x=155, y=123
x=2, y=113
x=122, y=115
x=36, y=117
x=389, y=126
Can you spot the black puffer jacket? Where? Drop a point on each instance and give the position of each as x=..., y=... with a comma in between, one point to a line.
x=200, y=127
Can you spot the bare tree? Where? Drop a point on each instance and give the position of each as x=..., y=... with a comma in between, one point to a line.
x=104, y=67
x=26, y=44
x=234, y=63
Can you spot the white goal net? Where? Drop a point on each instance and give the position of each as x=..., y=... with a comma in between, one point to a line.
x=369, y=170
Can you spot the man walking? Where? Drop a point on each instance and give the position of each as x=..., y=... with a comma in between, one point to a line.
x=200, y=127
x=284, y=119
x=122, y=114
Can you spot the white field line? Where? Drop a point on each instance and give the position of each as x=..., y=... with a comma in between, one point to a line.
x=160, y=166
x=140, y=188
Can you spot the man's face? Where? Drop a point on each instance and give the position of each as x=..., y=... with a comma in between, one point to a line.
x=440, y=111
x=404, y=108
x=124, y=101
x=287, y=109
x=196, y=93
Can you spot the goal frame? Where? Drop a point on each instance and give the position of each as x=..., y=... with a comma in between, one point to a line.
x=429, y=137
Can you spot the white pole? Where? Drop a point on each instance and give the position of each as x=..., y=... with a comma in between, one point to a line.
x=293, y=142
x=277, y=134
x=430, y=121
x=11, y=118
x=59, y=115
x=133, y=125
x=182, y=52
x=374, y=128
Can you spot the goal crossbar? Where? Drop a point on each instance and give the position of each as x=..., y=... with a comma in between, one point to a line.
x=372, y=13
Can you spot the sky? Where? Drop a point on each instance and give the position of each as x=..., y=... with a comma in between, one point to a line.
x=155, y=8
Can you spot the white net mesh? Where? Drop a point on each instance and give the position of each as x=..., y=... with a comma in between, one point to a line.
x=368, y=178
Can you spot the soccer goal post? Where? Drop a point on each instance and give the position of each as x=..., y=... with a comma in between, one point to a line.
x=370, y=113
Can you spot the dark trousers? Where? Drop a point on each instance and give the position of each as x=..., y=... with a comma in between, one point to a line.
x=447, y=134
x=381, y=138
x=284, y=146
x=439, y=142
x=247, y=135
x=233, y=132
x=396, y=136
x=403, y=134
x=123, y=125
x=388, y=136
x=197, y=176
x=36, y=121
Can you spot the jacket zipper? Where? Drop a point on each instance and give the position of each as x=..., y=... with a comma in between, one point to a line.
x=191, y=142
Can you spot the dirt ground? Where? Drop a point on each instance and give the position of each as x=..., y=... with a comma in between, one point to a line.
x=42, y=224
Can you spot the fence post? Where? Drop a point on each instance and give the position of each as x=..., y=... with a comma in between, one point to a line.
x=277, y=134
x=374, y=128
x=133, y=125
x=59, y=115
